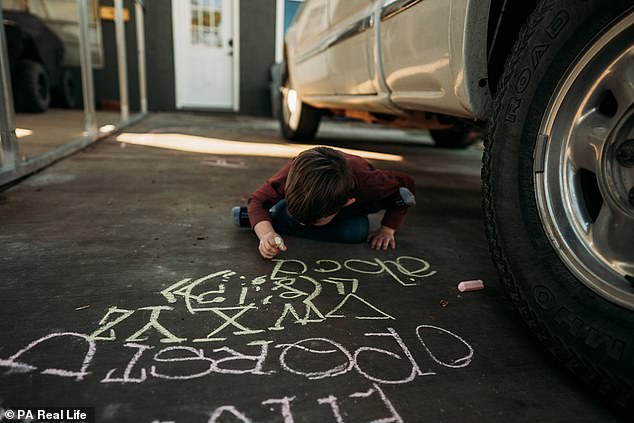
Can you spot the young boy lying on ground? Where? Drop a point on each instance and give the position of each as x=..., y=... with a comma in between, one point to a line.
x=326, y=195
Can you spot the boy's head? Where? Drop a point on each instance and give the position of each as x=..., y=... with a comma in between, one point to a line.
x=319, y=184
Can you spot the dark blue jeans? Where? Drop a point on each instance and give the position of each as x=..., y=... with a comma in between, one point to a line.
x=349, y=226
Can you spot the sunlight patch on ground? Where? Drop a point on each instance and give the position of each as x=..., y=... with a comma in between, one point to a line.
x=22, y=132
x=206, y=145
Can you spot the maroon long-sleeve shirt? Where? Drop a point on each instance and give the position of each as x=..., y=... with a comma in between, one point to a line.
x=372, y=186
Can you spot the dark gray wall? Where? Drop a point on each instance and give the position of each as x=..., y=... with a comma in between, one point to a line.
x=107, y=78
x=257, y=54
x=159, y=45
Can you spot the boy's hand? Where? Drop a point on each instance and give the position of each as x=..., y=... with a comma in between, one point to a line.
x=271, y=244
x=382, y=239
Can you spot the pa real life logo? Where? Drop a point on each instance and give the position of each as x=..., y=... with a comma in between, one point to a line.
x=8, y=414
x=44, y=414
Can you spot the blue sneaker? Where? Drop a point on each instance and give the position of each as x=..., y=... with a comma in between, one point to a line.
x=240, y=217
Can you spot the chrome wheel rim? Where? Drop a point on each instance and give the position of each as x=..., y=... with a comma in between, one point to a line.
x=584, y=166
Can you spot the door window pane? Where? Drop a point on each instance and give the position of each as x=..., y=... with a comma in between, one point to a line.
x=206, y=22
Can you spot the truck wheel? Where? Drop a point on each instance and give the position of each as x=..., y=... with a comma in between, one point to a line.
x=31, y=87
x=458, y=137
x=64, y=94
x=298, y=120
x=558, y=191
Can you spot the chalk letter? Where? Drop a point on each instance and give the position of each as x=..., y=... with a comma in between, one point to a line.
x=123, y=314
x=335, y=371
x=23, y=367
x=334, y=406
x=168, y=292
x=154, y=324
x=196, y=355
x=421, y=272
x=457, y=363
x=337, y=266
x=236, y=356
x=286, y=407
x=339, y=282
x=394, y=418
x=279, y=264
x=229, y=409
x=126, y=374
x=184, y=289
x=220, y=311
x=415, y=371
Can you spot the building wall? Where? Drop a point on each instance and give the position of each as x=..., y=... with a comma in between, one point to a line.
x=159, y=46
x=107, y=78
x=257, y=54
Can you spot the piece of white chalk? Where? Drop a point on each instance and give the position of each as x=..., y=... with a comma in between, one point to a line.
x=278, y=241
x=475, y=285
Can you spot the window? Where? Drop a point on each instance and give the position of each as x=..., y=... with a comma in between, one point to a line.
x=206, y=22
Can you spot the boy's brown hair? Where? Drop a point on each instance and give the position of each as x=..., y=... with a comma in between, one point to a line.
x=319, y=183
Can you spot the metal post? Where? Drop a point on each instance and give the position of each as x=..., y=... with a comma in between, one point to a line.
x=8, y=140
x=279, y=31
x=140, y=39
x=121, y=59
x=236, y=54
x=90, y=115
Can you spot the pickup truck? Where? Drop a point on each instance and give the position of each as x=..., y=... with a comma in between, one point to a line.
x=552, y=83
x=36, y=55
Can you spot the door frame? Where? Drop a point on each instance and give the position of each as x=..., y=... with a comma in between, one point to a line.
x=236, y=61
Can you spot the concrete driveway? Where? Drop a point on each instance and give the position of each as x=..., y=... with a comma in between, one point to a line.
x=125, y=287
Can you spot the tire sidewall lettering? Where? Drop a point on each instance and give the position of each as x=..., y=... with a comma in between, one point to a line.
x=559, y=22
x=544, y=297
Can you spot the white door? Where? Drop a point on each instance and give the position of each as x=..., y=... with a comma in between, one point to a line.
x=204, y=54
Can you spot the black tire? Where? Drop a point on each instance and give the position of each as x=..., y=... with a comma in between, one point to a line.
x=458, y=137
x=31, y=89
x=64, y=96
x=592, y=336
x=308, y=118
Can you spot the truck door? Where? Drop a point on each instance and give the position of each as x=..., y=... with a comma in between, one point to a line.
x=311, y=67
x=350, y=52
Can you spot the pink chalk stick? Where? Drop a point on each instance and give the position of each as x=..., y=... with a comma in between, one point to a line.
x=470, y=285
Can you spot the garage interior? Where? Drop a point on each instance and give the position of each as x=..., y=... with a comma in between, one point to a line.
x=128, y=292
